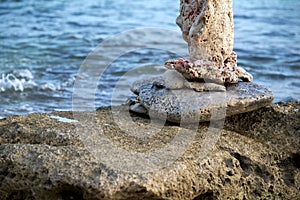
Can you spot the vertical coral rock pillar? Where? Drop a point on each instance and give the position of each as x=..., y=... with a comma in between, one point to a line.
x=207, y=26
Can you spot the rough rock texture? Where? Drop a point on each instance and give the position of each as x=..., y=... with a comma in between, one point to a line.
x=205, y=70
x=207, y=26
x=256, y=157
x=185, y=104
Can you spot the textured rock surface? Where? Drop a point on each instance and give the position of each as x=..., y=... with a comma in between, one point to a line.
x=257, y=156
x=205, y=70
x=198, y=106
x=207, y=26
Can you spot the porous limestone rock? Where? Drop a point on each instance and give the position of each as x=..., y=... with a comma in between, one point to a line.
x=256, y=157
x=198, y=106
x=207, y=26
x=201, y=70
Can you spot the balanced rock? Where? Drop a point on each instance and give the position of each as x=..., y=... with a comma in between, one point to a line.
x=207, y=26
x=190, y=106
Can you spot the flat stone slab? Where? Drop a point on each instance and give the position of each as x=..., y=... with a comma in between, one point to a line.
x=187, y=105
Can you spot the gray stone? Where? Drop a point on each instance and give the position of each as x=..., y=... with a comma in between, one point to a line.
x=202, y=87
x=190, y=106
x=135, y=87
x=173, y=79
x=207, y=26
x=138, y=108
x=256, y=157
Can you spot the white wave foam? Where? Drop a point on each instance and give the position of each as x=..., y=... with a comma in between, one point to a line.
x=17, y=80
x=23, y=73
x=49, y=87
x=9, y=81
x=20, y=80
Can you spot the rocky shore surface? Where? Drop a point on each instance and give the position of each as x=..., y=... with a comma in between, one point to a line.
x=256, y=157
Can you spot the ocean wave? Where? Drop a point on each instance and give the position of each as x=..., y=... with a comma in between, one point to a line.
x=23, y=80
x=18, y=81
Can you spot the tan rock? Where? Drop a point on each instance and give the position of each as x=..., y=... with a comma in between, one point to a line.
x=207, y=26
x=256, y=157
x=206, y=70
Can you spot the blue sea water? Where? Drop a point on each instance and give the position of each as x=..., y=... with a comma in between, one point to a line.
x=44, y=43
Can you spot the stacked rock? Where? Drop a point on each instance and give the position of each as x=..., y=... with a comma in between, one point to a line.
x=210, y=78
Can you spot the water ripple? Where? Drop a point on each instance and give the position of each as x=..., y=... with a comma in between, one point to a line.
x=50, y=39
